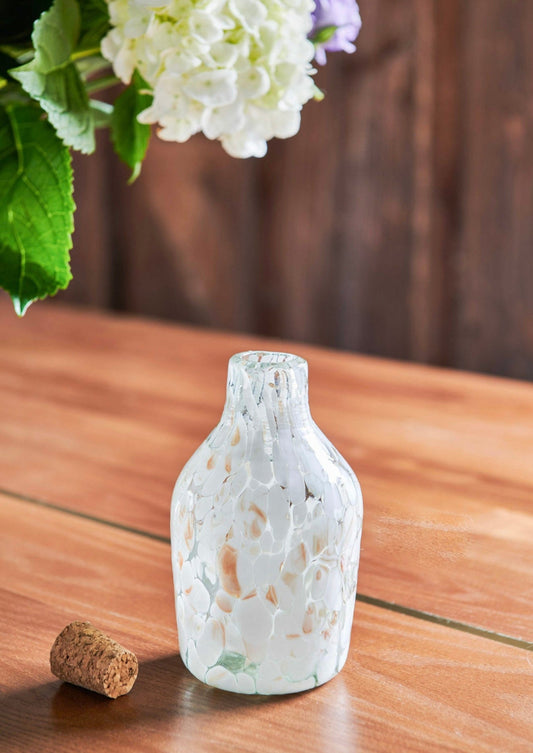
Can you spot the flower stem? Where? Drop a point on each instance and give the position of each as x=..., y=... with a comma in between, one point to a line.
x=85, y=53
x=101, y=83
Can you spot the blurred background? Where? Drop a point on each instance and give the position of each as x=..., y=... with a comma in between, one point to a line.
x=399, y=222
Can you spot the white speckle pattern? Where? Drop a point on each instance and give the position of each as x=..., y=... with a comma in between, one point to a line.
x=266, y=528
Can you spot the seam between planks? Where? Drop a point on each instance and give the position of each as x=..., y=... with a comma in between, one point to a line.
x=364, y=598
x=438, y=620
x=84, y=516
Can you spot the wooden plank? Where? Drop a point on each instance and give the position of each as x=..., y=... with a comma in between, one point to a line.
x=437, y=162
x=181, y=236
x=408, y=685
x=100, y=414
x=297, y=184
x=493, y=329
x=425, y=288
x=376, y=183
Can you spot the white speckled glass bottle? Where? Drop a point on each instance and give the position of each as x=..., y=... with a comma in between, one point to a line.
x=266, y=527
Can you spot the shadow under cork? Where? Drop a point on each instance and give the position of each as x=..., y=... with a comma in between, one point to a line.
x=165, y=693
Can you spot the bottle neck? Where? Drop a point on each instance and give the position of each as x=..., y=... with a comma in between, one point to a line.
x=269, y=390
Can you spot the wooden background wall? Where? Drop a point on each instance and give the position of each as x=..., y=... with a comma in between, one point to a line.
x=398, y=222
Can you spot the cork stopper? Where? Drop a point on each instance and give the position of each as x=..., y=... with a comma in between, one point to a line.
x=85, y=656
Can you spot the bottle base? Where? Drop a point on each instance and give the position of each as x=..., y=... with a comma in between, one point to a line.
x=263, y=680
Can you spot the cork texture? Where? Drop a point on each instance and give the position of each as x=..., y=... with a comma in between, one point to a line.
x=85, y=656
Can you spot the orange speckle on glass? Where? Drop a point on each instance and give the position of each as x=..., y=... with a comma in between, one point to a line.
x=258, y=511
x=272, y=596
x=227, y=565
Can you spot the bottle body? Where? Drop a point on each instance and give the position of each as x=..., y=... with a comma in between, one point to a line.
x=265, y=526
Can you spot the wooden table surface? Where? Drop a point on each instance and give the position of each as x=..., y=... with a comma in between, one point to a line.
x=97, y=417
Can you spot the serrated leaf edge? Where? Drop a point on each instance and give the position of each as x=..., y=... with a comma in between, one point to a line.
x=20, y=307
x=77, y=140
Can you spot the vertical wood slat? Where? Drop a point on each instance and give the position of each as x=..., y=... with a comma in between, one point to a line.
x=437, y=177
x=450, y=88
x=494, y=326
x=422, y=334
x=377, y=184
x=182, y=234
x=397, y=222
x=297, y=195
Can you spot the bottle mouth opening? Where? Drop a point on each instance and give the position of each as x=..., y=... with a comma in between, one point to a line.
x=266, y=359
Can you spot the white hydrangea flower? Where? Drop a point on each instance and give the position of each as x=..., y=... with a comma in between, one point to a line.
x=238, y=70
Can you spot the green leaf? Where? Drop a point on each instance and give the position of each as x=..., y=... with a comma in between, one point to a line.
x=130, y=138
x=324, y=34
x=62, y=96
x=53, y=79
x=36, y=207
x=94, y=23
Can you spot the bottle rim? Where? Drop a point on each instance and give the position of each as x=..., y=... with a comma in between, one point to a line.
x=267, y=360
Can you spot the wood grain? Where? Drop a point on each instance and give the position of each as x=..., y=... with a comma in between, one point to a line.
x=375, y=200
x=100, y=414
x=494, y=319
x=408, y=685
x=437, y=194
x=297, y=186
x=181, y=235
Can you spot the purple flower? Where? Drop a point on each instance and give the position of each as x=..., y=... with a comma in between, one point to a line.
x=336, y=24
